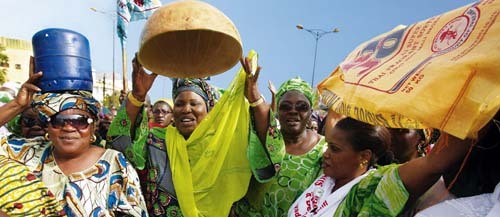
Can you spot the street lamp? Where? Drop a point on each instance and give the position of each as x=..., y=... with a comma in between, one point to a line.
x=317, y=33
x=113, y=18
x=103, y=88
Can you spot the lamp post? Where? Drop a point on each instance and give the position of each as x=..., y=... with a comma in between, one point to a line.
x=317, y=34
x=103, y=87
x=113, y=19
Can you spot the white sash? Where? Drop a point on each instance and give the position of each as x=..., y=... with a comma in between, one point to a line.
x=495, y=198
x=317, y=200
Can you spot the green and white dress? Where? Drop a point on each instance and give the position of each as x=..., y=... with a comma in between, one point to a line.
x=278, y=178
x=378, y=192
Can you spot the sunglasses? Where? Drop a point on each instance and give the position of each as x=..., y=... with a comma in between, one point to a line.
x=30, y=122
x=79, y=122
x=300, y=107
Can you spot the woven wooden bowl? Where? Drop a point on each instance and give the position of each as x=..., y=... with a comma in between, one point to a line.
x=189, y=39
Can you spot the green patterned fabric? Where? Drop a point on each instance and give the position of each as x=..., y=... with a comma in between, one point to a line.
x=145, y=153
x=381, y=193
x=120, y=128
x=297, y=84
x=14, y=126
x=279, y=178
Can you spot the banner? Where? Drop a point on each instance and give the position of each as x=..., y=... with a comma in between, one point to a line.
x=443, y=72
x=132, y=10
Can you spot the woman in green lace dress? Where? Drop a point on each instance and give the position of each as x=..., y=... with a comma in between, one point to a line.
x=290, y=159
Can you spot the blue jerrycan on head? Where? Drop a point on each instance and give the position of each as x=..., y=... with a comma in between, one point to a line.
x=64, y=58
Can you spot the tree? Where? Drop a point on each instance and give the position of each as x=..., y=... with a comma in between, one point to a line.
x=4, y=63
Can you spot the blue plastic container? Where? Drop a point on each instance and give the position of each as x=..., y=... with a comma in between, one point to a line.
x=64, y=58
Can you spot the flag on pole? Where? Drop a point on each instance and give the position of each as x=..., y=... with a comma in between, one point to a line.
x=132, y=10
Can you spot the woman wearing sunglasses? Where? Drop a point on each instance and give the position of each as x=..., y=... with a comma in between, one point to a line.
x=86, y=179
x=21, y=192
x=27, y=125
x=290, y=160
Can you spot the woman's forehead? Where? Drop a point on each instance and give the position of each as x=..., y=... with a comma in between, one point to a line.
x=337, y=135
x=161, y=105
x=188, y=95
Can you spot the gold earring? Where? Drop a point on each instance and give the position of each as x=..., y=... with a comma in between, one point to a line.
x=93, y=138
x=363, y=163
x=47, y=137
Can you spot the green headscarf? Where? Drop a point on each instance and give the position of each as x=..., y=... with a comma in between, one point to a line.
x=299, y=85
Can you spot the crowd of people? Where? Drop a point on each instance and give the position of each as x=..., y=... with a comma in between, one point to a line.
x=209, y=152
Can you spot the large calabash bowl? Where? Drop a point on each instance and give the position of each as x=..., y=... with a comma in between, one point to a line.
x=189, y=39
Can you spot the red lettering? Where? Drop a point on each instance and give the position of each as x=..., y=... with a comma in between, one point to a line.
x=139, y=3
x=296, y=211
x=320, y=181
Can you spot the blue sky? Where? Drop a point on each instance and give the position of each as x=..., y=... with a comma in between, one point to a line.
x=268, y=26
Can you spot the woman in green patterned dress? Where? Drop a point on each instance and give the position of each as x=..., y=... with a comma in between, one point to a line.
x=349, y=187
x=290, y=159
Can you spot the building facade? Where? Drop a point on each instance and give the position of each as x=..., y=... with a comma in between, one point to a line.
x=103, y=85
x=19, y=52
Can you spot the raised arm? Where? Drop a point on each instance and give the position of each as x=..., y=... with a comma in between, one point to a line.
x=141, y=83
x=23, y=98
x=272, y=89
x=420, y=174
x=125, y=134
x=259, y=109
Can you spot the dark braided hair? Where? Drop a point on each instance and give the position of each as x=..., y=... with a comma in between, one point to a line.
x=364, y=136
